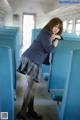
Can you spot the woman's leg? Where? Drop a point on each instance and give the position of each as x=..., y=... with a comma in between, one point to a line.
x=31, y=105
x=27, y=95
x=31, y=111
x=28, y=102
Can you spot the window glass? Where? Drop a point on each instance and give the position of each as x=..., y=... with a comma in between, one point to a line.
x=77, y=29
x=70, y=26
x=64, y=25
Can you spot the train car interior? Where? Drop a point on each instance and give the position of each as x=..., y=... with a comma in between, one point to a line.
x=57, y=96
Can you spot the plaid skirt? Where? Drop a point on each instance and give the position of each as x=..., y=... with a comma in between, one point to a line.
x=30, y=68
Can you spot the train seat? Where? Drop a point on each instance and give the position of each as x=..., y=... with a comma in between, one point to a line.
x=70, y=106
x=60, y=67
x=9, y=36
x=6, y=82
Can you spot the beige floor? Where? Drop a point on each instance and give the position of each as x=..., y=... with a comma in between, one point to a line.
x=44, y=105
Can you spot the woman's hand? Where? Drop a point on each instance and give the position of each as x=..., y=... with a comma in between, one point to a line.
x=55, y=43
x=54, y=40
x=53, y=37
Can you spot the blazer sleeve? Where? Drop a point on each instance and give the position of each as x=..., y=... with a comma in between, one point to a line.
x=45, y=41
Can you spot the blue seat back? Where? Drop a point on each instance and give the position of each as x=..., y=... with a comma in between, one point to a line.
x=9, y=36
x=6, y=82
x=70, y=36
x=61, y=62
x=70, y=107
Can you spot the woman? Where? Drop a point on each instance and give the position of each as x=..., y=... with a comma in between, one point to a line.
x=33, y=57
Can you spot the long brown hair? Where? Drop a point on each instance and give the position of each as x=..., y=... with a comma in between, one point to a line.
x=53, y=22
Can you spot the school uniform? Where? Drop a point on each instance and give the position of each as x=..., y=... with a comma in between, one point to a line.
x=36, y=55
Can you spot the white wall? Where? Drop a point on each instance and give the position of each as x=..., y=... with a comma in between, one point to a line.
x=2, y=18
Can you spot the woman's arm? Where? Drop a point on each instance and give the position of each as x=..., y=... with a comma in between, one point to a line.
x=54, y=39
x=55, y=43
x=45, y=41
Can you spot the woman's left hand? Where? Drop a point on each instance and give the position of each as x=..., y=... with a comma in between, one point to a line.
x=55, y=43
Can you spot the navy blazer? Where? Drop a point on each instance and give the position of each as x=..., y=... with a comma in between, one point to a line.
x=40, y=49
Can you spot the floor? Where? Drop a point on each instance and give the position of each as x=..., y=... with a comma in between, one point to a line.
x=44, y=105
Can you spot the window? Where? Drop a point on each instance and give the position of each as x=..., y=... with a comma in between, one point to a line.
x=28, y=25
x=64, y=25
x=70, y=26
x=77, y=29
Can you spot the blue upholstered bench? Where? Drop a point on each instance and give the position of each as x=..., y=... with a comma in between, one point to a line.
x=70, y=106
x=6, y=82
x=60, y=67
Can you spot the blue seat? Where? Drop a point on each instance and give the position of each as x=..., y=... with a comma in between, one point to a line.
x=6, y=82
x=60, y=66
x=70, y=107
x=9, y=36
x=70, y=36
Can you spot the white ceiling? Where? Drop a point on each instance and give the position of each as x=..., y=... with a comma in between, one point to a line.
x=4, y=5
x=40, y=7
x=44, y=9
x=35, y=5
